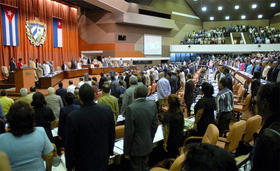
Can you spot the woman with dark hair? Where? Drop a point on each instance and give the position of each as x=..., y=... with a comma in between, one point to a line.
x=255, y=85
x=24, y=143
x=173, y=122
x=44, y=116
x=266, y=151
x=204, y=109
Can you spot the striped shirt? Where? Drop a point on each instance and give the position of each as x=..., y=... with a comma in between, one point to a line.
x=224, y=101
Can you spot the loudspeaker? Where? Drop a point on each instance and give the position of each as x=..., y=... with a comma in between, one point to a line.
x=122, y=37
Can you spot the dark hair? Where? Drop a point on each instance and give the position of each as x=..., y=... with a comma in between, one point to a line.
x=86, y=94
x=174, y=103
x=139, y=78
x=257, y=75
x=20, y=119
x=106, y=87
x=226, y=70
x=94, y=78
x=224, y=81
x=207, y=89
x=3, y=93
x=255, y=85
x=208, y=157
x=113, y=78
x=81, y=79
x=60, y=84
x=121, y=83
x=267, y=149
x=70, y=82
x=140, y=91
x=2, y=126
x=38, y=100
x=101, y=74
x=189, y=76
x=20, y=59
x=32, y=89
x=69, y=98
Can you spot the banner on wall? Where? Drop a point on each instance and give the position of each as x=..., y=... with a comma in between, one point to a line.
x=36, y=32
x=57, y=32
x=10, y=26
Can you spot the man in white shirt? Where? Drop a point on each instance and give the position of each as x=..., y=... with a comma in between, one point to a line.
x=46, y=68
x=71, y=87
x=156, y=74
x=81, y=82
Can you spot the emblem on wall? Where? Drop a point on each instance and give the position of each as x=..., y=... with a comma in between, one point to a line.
x=36, y=32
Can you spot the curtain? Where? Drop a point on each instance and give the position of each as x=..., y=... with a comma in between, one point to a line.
x=45, y=10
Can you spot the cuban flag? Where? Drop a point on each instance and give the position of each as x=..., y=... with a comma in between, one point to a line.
x=57, y=32
x=10, y=26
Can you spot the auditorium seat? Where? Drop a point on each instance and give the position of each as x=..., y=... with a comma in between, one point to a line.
x=240, y=95
x=230, y=143
x=5, y=71
x=253, y=125
x=4, y=162
x=236, y=88
x=119, y=131
x=211, y=136
x=243, y=107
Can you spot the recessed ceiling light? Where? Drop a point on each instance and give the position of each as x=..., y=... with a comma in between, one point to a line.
x=227, y=17
x=220, y=8
x=260, y=16
x=211, y=18
x=254, y=6
x=236, y=7
x=272, y=4
x=243, y=17
x=195, y=0
x=204, y=8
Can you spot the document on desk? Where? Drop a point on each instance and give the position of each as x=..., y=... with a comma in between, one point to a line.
x=159, y=134
x=54, y=132
x=119, y=144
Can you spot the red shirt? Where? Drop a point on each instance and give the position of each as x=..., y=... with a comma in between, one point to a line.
x=19, y=65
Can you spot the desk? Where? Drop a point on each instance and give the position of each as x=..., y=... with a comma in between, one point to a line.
x=105, y=70
x=51, y=79
x=75, y=73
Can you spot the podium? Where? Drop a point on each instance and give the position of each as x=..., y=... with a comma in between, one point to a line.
x=24, y=78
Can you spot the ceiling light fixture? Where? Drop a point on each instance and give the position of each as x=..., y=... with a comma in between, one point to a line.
x=204, y=9
x=211, y=18
x=254, y=6
x=272, y=4
x=243, y=17
x=227, y=17
x=220, y=8
x=260, y=16
x=236, y=7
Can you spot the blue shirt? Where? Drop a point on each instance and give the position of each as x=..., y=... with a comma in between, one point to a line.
x=163, y=88
x=249, y=69
x=25, y=152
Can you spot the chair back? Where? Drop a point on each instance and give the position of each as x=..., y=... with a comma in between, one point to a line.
x=58, y=68
x=253, y=124
x=237, y=88
x=177, y=164
x=119, y=131
x=246, y=103
x=235, y=135
x=211, y=135
x=4, y=162
x=5, y=71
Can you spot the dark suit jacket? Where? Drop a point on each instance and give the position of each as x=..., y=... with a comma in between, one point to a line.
x=189, y=87
x=141, y=123
x=62, y=93
x=13, y=66
x=89, y=138
x=62, y=119
x=63, y=67
x=101, y=82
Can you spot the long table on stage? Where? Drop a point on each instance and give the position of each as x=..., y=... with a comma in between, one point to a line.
x=51, y=79
x=97, y=71
x=75, y=73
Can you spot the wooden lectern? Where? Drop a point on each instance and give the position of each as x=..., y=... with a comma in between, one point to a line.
x=24, y=78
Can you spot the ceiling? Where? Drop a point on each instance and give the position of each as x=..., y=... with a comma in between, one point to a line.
x=245, y=8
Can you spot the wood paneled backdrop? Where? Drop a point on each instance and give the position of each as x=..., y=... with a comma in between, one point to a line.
x=45, y=10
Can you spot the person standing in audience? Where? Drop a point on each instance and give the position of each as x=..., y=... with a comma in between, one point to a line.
x=24, y=97
x=173, y=82
x=265, y=70
x=114, y=86
x=44, y=115
x=188, y=95
x=102, y=80
x=64, y=112
x=109, y=100
x=64, y=66
x=249, y=67
x=54, y=102
x=270, y=76
x=204, y=109
x=182, y=77
x=61, y=92
x=265, y=154
x=25, y=144
x=71, y=87
x=81, y=82
x=140, y=127
x=89, y=134
x=30, y=95
x=173, y=122
x=13, y=66
x=6, y=102
x=163, y=90
x=224, y=102
x=19, y=64
x=126, y=79
x=228, y=76
x=128, y=96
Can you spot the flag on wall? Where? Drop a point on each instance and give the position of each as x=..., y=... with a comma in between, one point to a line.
x=10, y=26
x=57, y=32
